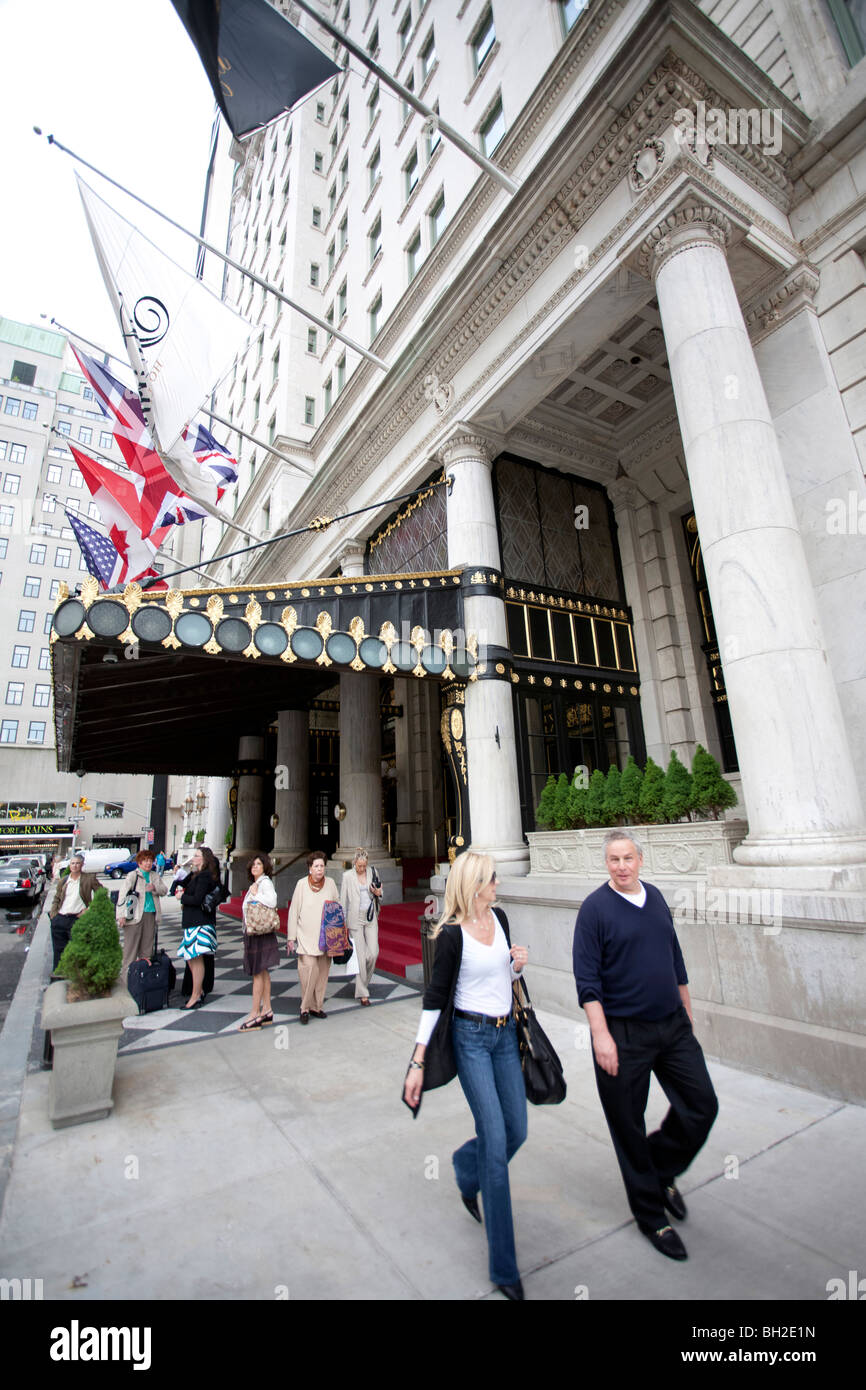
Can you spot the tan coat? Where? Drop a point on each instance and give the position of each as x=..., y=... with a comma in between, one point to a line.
x=157, y=888
x=87, y=886
x=305, y=915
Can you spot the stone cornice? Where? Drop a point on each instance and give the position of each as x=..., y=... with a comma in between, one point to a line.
x=796, y=291
x=625, y=494
x=663, y=435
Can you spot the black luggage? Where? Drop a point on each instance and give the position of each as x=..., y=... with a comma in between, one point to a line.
x=150, y=982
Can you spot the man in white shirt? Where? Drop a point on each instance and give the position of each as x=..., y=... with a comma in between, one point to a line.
x=71, y=896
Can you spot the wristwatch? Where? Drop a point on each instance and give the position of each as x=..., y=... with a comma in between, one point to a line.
x=419, y=1066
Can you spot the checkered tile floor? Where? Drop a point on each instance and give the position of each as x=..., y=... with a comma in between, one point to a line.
x=231, y=998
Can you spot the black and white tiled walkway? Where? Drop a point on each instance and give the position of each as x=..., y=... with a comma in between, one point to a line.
x=231, y=998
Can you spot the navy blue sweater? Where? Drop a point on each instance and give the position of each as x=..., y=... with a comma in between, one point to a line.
x=628, y=957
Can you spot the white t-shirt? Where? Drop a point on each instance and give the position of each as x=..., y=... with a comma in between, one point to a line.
x=636, y=899
x=484, y=982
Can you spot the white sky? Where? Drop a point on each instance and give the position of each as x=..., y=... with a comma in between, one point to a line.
x=118, y=82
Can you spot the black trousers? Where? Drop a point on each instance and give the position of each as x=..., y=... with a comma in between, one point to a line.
x=668, y=1047
x=61, y=930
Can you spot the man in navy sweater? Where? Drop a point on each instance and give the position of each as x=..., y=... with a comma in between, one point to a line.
x=633, y=986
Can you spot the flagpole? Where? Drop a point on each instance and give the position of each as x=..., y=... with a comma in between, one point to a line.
x=409, y=97
x=260, y=443
x=221, y=255
x=320, y=523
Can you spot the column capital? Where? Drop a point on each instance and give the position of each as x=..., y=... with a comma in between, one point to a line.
x=693, y=223
x=351, y=557
x=467, y=443
x=795, y=290
x=625, y=494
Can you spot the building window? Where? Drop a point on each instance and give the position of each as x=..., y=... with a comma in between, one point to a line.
x=12, y=406
x=572, y=9
x=320, y=111
x=328, y=395
x=329, y=318
x=8, y=731
x=87, y=393
x=432, y=133
x=375, y=314
x=20, y=657
x=309, y=411
x=374, y=239
x=483, y=40
x=12, y=483
x=344, y=120
x=406, y=107
x=344, y=173
x=332, y=200
x=14, y=692
x=414, y=255
x=76, y=479
x=275, y=366
x=373, y=106
x=312, y=341
x=404, y=30
x=64, y=428
x=492, y=129
x=85, y=434
x=32, y=585
x=343, y=232
x=26, y=619
x=61, y=557
x=54, y=590
x=105, y=439
x=341, y=373
x=44, y=659
x=317, y=221
x=7, y=516
x=36, y=731
x=41, y=696
x=4, y=547
x=272, y=429
x=341, y=302
x=428, y=57
x=318, y=162
x=332, y=258
x=375, y=167
x=109, y=810
x=437, y=219
x=49, y=617
x=49, y=504
x=373, y=45
x=30, y=411
x=23, y=373
x=410, y=175
x=314, y=276
x=17, y=453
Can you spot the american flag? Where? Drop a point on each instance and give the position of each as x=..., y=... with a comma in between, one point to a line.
x=101, y=556
x=162, y=501
x=213, y=458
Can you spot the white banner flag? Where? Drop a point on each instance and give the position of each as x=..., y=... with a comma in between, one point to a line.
x=188, y=337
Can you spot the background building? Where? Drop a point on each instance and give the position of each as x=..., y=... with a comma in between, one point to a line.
x=42, y=391
x=628, y=404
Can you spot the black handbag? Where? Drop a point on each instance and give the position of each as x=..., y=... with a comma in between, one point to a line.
x=542, y=1069
x=375, y=882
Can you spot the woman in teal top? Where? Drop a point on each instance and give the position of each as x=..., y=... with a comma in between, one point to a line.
x=138, y=910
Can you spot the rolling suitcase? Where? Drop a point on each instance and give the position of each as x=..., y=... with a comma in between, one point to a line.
x=150, y=982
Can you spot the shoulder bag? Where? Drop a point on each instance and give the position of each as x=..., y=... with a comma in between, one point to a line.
x=542, y=1069
x=333, y=933
x=260, y=920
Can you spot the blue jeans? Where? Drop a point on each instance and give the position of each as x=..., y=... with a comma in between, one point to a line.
x=488, y=1066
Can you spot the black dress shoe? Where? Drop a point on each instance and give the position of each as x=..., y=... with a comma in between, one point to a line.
x=318, y=1013
x=512, y=1291
x=668, y=1242
x=471, y=1205
x=305, y=1017
x=674, y=1203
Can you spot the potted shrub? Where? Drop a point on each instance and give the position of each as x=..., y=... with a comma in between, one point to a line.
x=84, y=1013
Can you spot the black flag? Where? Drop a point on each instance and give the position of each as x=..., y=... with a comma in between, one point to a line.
x=257, y=63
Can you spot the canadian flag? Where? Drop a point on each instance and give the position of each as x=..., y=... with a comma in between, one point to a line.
x=120, y=509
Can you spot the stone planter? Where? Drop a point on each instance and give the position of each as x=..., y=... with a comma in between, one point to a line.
x=679, y=851
x=85, y=1037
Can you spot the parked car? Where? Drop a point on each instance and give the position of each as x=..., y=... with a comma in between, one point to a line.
x=121, y=869
x=19, y=878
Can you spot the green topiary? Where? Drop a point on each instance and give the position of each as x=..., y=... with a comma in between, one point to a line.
x=187, y=839
x=544, y=811
x=678, y=790
x=93, y=956
x=632, y=780
x=613, y=802
x=710, y=791
x=652, y=794
x=560, y=803
x=595, y=798
x=577, y=796
x=199, y=837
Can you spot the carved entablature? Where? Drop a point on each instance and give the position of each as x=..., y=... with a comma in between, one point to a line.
x=798, y=289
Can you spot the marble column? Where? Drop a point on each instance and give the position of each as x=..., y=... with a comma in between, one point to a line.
x=249, y=828
x=806, y=828
x=219, y=816
x=491, y=752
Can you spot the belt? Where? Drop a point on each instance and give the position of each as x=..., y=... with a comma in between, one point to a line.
x=499, y=1022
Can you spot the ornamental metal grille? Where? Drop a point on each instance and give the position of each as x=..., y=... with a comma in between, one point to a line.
x=414, y=540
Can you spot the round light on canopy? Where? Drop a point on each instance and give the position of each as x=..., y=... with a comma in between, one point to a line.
x=107, y=618
x=193, y=629
x=151, y=624
x=69, y=617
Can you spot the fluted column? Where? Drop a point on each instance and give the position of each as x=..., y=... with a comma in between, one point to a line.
x=249, y=828
x=218, y=814
x=802, y=800
x=491, y=753
x=292, y=774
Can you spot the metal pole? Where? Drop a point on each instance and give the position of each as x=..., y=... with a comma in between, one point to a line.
x=409, y=97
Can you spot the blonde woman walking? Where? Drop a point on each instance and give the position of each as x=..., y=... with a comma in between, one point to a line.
x=467, y=1029
x=361, y=899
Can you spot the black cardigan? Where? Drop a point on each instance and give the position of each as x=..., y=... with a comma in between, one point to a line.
x=440, y=1065
x=195, y=890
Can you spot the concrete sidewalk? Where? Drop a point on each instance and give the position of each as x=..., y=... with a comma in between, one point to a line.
x=283, y=1164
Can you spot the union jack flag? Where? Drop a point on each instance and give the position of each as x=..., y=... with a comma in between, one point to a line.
x=162, y=502
x=213, y=458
